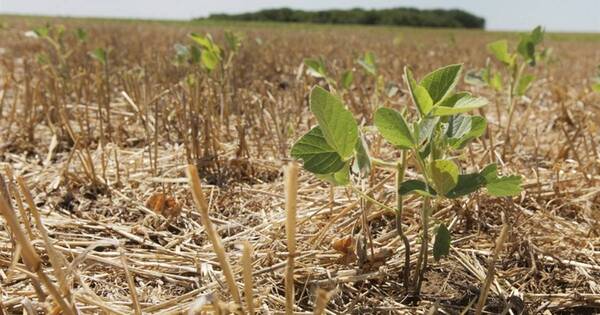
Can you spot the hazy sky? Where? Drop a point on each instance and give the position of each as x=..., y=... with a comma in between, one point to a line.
x=555, y=15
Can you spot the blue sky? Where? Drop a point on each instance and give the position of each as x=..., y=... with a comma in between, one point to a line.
x=555, y=15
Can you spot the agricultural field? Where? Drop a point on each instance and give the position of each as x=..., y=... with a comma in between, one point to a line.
x=216, y=168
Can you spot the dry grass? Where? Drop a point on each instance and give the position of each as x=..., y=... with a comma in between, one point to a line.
x=93, y=145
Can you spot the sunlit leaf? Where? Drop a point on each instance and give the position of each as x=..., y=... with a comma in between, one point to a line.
x=347, y=78
x=99, y=54
x=441, y=82
x=336, y=122
x=315, y=67
x=318, y=156
x=464, y=128
x=463, y=105
x=524, y=84
x=368, y=63
x=393, y=127
x=445, y=175
x=500, y=50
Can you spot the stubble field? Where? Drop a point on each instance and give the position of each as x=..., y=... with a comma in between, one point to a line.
x=95, y=143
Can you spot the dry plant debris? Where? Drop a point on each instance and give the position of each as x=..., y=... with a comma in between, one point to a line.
x=98, y=215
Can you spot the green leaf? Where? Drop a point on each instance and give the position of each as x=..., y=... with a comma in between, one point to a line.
x=467, y=184
x=339, y=178
x=368, y=63
x=318, y=156
x=505, y=186
x=426, y=127
x=41, y=32
x=464, y=128
x=537, y=35
x=337, y=123
x=424, y=101
x=500, y=186
x=475, y=77
x=416, y=186
x=204, y=41
x=412, y=89
x=441, y=244
x=195, y=54
x=490, y=172
x=209, y=60
x=526, y=49
x=596, y=87
x=496, y=82
x=500, y=50
x=362, y=160
x=81, y=34
x=233, y=40
x=445, y=175
x=465, y=104
x=99, y=54
x=392, y=126
x=441, y=82
x=347, y=79
x=315, y=67
x=524, y=84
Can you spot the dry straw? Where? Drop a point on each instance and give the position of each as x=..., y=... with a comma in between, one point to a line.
x=213, y=236
x=291, y=195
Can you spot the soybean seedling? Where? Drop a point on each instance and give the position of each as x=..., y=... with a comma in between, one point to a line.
x=433, y=141
x=216, y=60
x=596, y=81
x=513, y=78
x=442, y=130
x=316, y=67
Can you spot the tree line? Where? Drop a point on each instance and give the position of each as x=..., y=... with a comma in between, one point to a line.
x=395, y=16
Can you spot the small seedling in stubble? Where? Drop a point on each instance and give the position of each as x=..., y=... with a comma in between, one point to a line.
x=596, y=81
x=512, y=78
x=316, y=68
x=216, y=60
x=334, y=151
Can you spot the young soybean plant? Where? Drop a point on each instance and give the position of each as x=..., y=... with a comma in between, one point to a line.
x=434, y=142
x=516, y=81
x=596, y=81
x=316, y=68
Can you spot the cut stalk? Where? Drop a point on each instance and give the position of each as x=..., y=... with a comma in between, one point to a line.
x=213, y=236
x=291, y=192
x=491, y=269
x=246, y=262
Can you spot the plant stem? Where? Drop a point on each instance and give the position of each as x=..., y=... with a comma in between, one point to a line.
x=383, y=164
x=399, y=179
x=511, y=103
x=425, y=245
x=425, y=211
